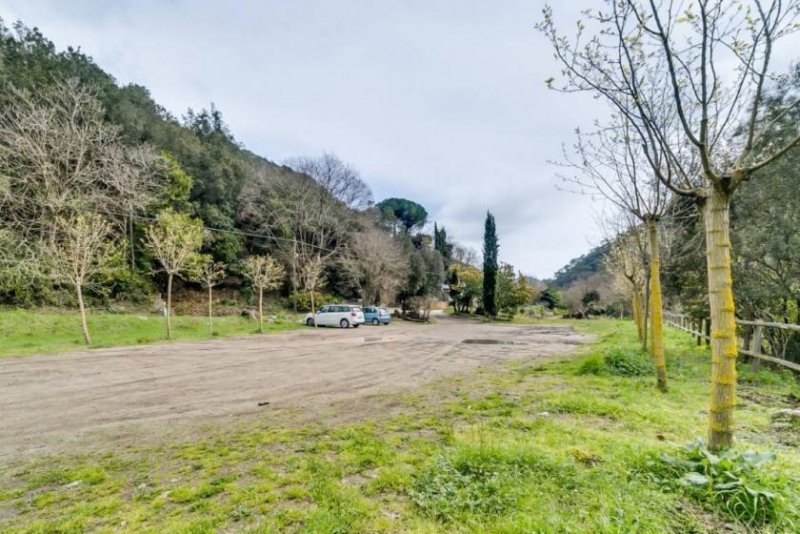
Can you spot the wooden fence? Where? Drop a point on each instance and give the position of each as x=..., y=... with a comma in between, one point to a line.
x=751, y=345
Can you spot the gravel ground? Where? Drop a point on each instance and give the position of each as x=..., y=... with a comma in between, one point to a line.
x=50, y=402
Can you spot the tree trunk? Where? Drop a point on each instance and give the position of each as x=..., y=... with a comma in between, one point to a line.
x=656, y=307
x=294, y=274
x=723, y=320
x=646, y=314
x=133, y=252
x=84, y=326
x=169, y=306
x=261, y=309
x=210, y=311
x=313, y=309
x=636, y=310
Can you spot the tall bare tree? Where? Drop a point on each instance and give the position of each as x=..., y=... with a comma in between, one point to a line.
x=609, y=162
x=305, y=224
x=265, y=273
x=133, y=183
x=82, y=248
x=627, y=263
x=340, y=179
x=707, y=63
x=174, y=240
x=59, y=157
x=376, y=265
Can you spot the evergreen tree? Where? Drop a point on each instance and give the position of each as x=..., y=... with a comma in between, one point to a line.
x=441, y=245
x=490, y=266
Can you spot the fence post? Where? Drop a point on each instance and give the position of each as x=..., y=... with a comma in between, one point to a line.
x=699, y=332
x=757, y=334
x=708, y=332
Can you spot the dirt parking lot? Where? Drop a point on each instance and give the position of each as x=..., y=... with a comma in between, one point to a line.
x=48, y=400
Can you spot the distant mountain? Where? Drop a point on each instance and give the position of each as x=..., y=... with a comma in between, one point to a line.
x=581, y=267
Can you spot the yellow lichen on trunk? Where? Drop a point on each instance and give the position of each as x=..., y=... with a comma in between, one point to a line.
x=723, y=320
x=656, y=311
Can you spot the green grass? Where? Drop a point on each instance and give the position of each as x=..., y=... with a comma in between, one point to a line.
x=526, y=446
x=25, y=332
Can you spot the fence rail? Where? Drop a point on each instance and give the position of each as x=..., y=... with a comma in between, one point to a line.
x=750, y=345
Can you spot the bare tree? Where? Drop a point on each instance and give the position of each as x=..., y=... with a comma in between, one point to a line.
x=174, y=239
x=707, y=63
x=305, y=224
x=133, y=183
x=208, y=273
x=265, y=273
x=340, y=179
x=627, y=263
x=82, y=247
x=59, y=157
x=609, y=162
x=375, y=264
x=466, y=255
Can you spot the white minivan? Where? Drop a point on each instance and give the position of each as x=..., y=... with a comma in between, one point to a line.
x=341, y=315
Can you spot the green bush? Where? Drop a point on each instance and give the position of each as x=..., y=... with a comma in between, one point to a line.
x=732, y=482
x=593, y=365
x=618, y=362
x=628, y=363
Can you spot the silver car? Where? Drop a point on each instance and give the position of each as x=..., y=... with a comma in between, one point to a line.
x=341, y=315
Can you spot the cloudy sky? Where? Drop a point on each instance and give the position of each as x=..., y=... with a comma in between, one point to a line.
x=442, y=102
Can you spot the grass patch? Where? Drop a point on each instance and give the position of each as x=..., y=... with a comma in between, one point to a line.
x=522, y=446
x=26, y=332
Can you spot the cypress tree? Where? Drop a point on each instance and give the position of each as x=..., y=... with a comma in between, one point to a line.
x=490, y=267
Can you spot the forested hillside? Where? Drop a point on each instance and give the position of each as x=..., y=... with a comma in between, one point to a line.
x=79, y=151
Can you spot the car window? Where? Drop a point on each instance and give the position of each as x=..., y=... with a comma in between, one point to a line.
x=324, y=309
x=341, y=309
x=356, y=308
x=368, y=310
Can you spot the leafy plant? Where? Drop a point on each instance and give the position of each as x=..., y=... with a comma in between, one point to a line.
x=618, y=362
x=627, y=363
x=733, y=482
x=480, y=482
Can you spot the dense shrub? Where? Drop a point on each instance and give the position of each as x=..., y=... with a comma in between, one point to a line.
x=734, y=483
x=618, y=362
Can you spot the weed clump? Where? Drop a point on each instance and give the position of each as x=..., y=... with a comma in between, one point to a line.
x=471, y=482
x=618, y=362
x=733, y=482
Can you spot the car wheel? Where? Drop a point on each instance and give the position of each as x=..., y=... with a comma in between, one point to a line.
x=344, y=323
x=376, y=322
x=309, y=322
